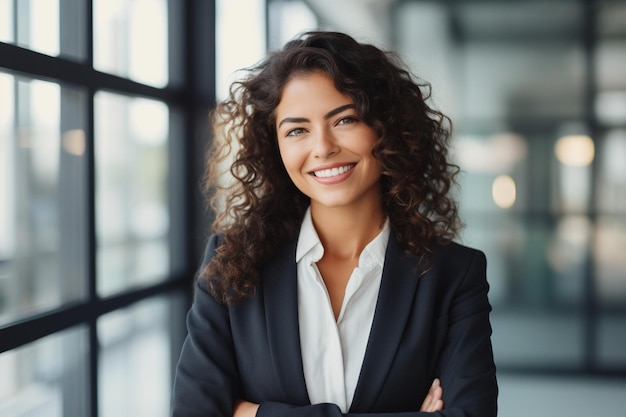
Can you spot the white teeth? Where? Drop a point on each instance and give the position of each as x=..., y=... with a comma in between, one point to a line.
x=333, y=172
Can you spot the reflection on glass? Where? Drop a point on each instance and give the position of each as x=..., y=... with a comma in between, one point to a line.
x=132, y=213
x=134, y=366
x=130, y=39
x=46, y=378
x=43, y=194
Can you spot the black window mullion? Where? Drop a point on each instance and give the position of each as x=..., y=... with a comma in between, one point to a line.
x=590, y=302
x=32, y=328
x=38, y=65
x=92, y=297
x=93, y=343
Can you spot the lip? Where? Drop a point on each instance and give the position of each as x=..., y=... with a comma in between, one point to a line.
x=333, y=179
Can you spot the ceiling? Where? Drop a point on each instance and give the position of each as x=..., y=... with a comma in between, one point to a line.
x=476, y=20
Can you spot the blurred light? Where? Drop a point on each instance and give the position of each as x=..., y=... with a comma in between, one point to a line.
x=498, y=153
x=74, y=142
x=611, y=107
x=568, y=249
x=503, y=191
x=575, y=150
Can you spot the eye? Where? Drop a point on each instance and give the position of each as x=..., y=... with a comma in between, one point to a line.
x=295, y=132
x=347, y=120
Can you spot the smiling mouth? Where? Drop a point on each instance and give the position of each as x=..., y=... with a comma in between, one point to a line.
x=332, y=172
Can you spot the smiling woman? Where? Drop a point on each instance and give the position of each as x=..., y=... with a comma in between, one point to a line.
x=332, y=284
x=327, y=149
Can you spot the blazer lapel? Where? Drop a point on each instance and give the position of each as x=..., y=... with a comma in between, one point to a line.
x=281, y=311
x=397, y=291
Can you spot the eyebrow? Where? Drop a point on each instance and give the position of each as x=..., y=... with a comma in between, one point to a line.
x=327, y=116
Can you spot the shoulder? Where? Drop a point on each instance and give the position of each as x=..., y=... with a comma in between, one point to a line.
x=455, y=266
x=456, y=253
x=458, y=279
x=210, y=248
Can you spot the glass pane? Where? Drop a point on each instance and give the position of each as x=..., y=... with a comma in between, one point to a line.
x=288, y=18
x=132, y=212
x=497, y=168
x=6, y=21
x=612, y=340
x=610, y=108
x=135, y=361
x=131, y=39
x=610, y=260
x=43, y=191
x=512, y=77
x=611, y=177
x=240, y=39
x=532, y=264
x=552, y=340
x=38, y=25
x=52, y=27
x=46, y=378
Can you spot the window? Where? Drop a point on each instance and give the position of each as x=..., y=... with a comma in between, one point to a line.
x=101, y=111
x=538, y=99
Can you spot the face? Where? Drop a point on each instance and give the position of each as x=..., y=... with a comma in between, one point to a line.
x=325, y=147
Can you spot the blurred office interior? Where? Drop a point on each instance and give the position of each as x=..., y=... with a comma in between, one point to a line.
x=103, y=123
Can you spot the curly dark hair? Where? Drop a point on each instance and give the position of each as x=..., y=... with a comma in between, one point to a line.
x=261, y=208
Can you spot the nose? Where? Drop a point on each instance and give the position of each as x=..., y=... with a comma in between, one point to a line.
x=325, y=144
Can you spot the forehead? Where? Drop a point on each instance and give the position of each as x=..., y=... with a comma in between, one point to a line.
x=310, y=93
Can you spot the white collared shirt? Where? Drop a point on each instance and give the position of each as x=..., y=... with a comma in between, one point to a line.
x=333, y=351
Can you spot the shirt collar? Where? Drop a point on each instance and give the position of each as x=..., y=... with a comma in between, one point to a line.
x=309, y=241
x=309, y=244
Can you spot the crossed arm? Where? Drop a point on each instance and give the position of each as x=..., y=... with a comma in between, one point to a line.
x=433, y=402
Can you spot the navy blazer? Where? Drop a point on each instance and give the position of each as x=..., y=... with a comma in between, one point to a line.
x=425, y=326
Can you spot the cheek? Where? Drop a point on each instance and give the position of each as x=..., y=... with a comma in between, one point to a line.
x=289, y=158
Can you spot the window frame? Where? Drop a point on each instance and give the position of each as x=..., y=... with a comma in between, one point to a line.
x=189, y=94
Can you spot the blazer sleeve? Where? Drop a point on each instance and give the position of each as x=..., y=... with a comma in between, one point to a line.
x=465, y=363
x=206, y=382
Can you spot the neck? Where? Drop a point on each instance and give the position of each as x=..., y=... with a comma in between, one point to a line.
x=344, y=232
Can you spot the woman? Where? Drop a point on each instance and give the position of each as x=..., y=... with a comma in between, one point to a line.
x=332, y=285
